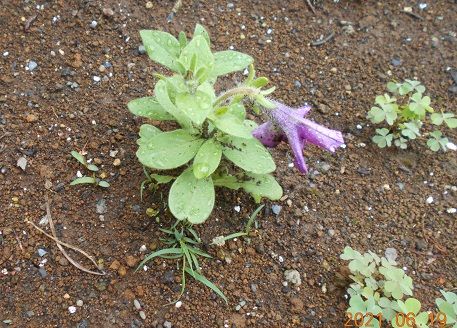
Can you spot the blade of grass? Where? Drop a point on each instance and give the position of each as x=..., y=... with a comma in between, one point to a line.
x=165, y=251
x=207, y=283
x=194, y=233
x=252, y=218
x=166, y=231
x=141, y=189
x=196, y=263
x=187, y=254
x=235, y=235
x=191, y=241
x=198, y=251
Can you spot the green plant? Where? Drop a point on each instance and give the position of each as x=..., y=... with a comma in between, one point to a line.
x=448, y=306
x=379, y=288
x=213, y=146
x=92, y=168
x=182, y=241
x=406, y=111
x=220, y=240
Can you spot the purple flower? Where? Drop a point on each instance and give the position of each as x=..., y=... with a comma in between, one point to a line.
x=287, y=123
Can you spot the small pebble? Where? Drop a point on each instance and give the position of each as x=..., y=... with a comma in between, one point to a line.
x=31, y=65
x=79, y=303
x=93, y=24
x=237, y=209
x=96, y=78
x=276, y=209
x=391, y=253
x=149, y=5
x=72, y=309
x=142, y=315
x=429, y=200
x=41, y=252
x=167, y=324
x=178, y=304
x=117, y=162
x=451, y=210
x=137, y=304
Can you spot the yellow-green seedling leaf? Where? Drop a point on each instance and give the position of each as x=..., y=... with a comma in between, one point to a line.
x=230, y=61
x=161, y=47
x=103, y=184
x=169, y=150
x=248, y=154
x=207, y=159
x=150, y=108
x=190, y=198
x=92, y=167
x=82, y=180
x=80, y=158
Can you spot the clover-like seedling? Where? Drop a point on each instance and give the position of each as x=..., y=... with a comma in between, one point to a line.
x=411, y=315
x=383, y=138
x=406, y=110
x=437, y=141
x=448, y=306
x=92, y=168
x=379, y=287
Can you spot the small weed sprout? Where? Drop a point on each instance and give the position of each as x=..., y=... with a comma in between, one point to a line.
x=406, y=111
x=220, y=240
x=182, y=241
x=92, y=168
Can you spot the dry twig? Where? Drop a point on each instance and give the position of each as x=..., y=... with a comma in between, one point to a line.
x=60, y=244
x=324, y=40
x=310, y=5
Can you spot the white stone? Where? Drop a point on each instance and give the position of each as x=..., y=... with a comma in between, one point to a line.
x=72, y=309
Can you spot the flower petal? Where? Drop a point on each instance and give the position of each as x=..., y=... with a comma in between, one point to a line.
x=296, y=144
x=268, y=135
x=320, y=136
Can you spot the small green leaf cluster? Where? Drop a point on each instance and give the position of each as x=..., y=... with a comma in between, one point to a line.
x=379, y=288
x=448, y=306
x=182, y=241
x=213, y=146
x=92, y=168
x=406, y=110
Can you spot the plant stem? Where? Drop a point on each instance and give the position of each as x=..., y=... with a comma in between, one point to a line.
x=242, y=91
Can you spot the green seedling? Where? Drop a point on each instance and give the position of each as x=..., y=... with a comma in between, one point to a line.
x=92, y=168
x=407, y=111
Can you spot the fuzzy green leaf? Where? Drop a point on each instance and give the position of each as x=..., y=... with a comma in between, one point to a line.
x=149, y=107
x=207, y=159
x=190, y=198
x=249, y=154
x=229, y=61
x=169, y=150
x=161, y=91
x=161, y=47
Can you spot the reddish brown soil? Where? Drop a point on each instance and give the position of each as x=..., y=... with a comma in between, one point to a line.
x=39, y=111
